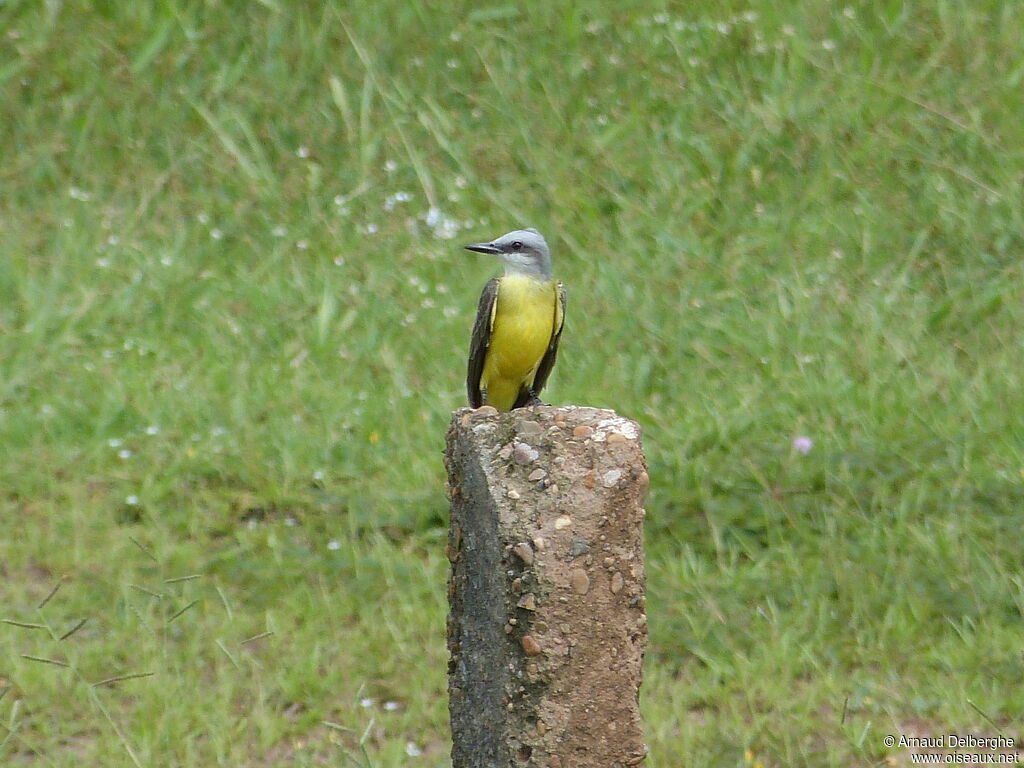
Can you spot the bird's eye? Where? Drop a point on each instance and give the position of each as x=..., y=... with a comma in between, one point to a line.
x=517, y=245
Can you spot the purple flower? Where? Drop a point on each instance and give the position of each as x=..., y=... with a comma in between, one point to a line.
x=802, y=444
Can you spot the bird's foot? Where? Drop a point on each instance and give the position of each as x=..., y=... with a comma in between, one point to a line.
x=534, y=400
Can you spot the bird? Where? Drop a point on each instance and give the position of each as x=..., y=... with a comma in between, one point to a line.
x=518, y=324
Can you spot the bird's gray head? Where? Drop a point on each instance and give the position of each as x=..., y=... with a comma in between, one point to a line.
x=524, y=252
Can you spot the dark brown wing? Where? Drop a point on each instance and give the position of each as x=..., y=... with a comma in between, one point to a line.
x=481, y=340
x=548, y=361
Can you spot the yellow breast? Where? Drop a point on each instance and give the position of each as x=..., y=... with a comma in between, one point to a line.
x=524, y=320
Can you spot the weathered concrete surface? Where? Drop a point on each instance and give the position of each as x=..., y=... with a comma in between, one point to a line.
x=547, y=628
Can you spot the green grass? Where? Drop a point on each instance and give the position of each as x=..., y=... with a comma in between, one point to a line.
x=234, y=314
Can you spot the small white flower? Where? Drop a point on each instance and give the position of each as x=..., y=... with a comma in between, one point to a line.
x=124, y=453
x=152, y=429
x=131, y=500
x=412, y=750
x=390, y=166
x=828, y=45
x=278, y=231
x=333, y=545
x=367, y=702
x=391, y=706
x=302, y=152
x=115, y=442
x=216, y=234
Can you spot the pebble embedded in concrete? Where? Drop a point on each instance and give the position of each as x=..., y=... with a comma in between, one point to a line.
x=579, y=581
x=617, y=582
x=616, y=426
x=528, y=428
x=524, y=552
x=611, y=478
x=562, y=521
x=530, y=646
x=524, y=454
x=527, y=602
x=579, y=546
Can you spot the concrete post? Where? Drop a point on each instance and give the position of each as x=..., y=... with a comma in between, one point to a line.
x=547, y=627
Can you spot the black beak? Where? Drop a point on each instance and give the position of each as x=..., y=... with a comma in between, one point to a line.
x=483, y=248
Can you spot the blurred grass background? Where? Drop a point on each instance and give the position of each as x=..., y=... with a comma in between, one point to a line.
x=234, y=315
